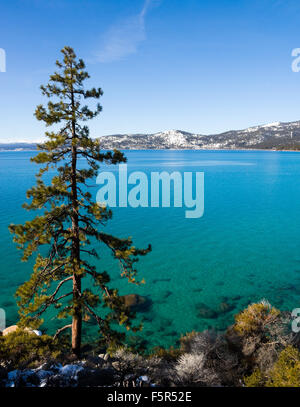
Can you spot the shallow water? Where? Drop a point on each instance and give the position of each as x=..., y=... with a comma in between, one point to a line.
x=245, y=247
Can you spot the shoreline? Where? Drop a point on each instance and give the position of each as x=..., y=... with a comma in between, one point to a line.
x=173, y=149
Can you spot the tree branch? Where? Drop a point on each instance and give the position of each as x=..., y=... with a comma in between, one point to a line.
x=52, y=297
x=59, y=331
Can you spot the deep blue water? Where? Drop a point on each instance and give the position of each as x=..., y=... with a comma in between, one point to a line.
x=245, y=247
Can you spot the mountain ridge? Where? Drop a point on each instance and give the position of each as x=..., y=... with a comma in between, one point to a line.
x=270, y=136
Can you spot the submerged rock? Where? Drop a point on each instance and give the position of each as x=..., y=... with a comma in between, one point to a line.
x=198, y=290
x=161, y=280
x=204, y=311
x=226, y=307
x=136, y=302
x=172, y=333
x=167, y=294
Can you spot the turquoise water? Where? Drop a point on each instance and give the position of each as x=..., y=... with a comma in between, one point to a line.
x=246, y=246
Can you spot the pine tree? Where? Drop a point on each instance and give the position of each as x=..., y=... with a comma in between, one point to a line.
x=71, y=222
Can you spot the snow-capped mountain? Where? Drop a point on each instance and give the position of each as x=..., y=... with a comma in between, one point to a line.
x=268, y=136
x=276, y=135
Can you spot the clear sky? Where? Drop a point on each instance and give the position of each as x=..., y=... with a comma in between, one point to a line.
x=200, y=66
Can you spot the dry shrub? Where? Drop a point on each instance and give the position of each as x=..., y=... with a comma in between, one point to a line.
x=191, y=370
x=255, y=318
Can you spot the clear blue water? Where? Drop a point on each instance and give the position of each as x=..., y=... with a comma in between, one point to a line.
x=246, y=246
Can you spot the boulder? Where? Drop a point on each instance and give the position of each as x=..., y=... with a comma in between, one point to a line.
x=9, y=330
x=93, y=362
x=136, y=302
x=96, y=377
x=14, y=328
x=36, y=331
x=3, y=374
x=31, y=380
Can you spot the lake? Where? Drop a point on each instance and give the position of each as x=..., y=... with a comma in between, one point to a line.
x=201, y=272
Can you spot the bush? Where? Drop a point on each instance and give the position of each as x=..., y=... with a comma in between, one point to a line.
x=284, y=373
x=168, y=355
x=23, y=349
x=187, y=340
x=191, y=370
x=255, y=379
x=126, y=361
x=254, y=318
x=198, y=342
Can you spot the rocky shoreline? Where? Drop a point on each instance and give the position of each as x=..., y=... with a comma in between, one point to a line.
x=93, y=372
x=259, y=349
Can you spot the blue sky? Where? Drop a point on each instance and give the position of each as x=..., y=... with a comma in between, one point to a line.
x=199, y=66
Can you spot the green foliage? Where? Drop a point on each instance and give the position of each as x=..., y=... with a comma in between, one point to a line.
x=71, y=221
x=286, y=371
x=24, y=349
x=254, y=318
x=256, y=379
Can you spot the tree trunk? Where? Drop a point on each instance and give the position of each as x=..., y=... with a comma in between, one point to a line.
x=77, y=317
x=77, y=309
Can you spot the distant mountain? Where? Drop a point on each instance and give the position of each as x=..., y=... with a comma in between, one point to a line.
x=269, y=136
x=17, y=146
x=276, y=136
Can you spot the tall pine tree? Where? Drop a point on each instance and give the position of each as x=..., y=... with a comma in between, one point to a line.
x=71, y=221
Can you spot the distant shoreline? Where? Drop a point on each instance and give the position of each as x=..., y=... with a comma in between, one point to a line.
x=173, y=149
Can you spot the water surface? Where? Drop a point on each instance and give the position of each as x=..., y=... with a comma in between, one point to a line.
x=246, y=246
